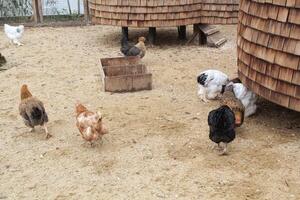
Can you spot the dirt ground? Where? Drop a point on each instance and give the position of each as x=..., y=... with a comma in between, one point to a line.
x=158, y=146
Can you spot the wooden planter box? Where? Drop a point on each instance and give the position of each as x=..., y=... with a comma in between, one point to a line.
x=125, y=74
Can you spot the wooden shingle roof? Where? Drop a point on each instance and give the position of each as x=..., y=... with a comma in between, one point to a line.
x=269, y=49
x=162, y=13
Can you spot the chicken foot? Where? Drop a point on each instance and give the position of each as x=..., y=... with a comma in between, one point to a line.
x=224, y=150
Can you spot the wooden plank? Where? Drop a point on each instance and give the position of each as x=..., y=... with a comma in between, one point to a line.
x=34, y=11
x=118, y=83
x=118, y=61
x=40, y=11
x=86, y=11
x=142, y=82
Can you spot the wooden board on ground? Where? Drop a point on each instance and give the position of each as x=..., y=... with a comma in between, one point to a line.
x=216, y=40
x=208, y=34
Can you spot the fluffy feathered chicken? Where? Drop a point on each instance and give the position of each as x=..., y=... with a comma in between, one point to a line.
x=2, y=60
x=247, y=97
x=133, y=50
x=89, y=124
x=229, y=99
x=221, y=127
x=32, y=111
x=14, y=33
x=211, y=83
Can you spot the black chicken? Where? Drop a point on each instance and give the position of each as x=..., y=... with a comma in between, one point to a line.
x=133, y=50
x=221, y=126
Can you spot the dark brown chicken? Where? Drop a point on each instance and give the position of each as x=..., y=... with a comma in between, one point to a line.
x=32, y=111
x=234, y=104
x=134, y=50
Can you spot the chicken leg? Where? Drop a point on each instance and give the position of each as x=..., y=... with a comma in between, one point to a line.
x=224, y=151
x=46, y=131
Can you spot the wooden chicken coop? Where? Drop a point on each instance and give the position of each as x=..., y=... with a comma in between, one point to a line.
x=269, y=49
x=162, y=13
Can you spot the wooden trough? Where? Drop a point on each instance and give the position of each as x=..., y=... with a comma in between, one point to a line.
x=125, y=74
x=269, y=49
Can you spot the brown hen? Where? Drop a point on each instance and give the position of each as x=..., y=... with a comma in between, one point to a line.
x=32, y=111
x=89, y=124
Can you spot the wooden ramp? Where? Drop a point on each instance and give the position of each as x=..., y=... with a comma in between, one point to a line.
x=208, y=34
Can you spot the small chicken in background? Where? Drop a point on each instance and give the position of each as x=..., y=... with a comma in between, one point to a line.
x=89, y=124
x=211, y=83
x=32, y=111
x=14, y=33
x=134, y=50
x=229, y=99
x=247, y=97
x=221, y=127
x=2, y=60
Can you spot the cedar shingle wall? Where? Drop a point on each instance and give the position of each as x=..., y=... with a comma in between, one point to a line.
x=163, y=13
x=269, y=49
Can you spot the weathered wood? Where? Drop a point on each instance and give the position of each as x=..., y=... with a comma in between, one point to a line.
x=125, y=74
x=181, y=32
x=86, y=11
x=167, y=13
x=269, y=50
x=37, y=11
x=40, y=11
x=202, y=38
x=34, y=11
x=215, y=40
x=152, y=35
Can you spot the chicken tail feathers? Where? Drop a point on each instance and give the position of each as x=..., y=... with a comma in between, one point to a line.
x=39, y=115
x=36, y=113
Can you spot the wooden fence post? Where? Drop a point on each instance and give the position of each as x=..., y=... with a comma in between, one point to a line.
x=40, y=10
x=34, y=11
x=37, y=10
x=86, y=11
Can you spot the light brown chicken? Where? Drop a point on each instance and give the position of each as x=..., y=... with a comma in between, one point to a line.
x=234, y=104
x=89, y=124
x=32, y=111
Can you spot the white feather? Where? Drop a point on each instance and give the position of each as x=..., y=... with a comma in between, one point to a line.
x=14, y=33
x=213, y=84
x=247, y=97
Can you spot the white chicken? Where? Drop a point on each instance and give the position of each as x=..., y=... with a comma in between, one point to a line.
x=211, y=82
x=247, y=97
x=14, y=33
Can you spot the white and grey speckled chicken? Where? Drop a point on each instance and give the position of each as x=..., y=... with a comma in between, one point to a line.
x=14, y=33
x=247, y=97
x=211, y=82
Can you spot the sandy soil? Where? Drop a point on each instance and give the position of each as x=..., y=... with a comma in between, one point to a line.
x=158, y=146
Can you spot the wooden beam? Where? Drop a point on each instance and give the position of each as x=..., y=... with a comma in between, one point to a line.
x=37, y=10
x=40, y=11
x=34, y=11
x=152, y=35
x=182, y=32
x=86, y=11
